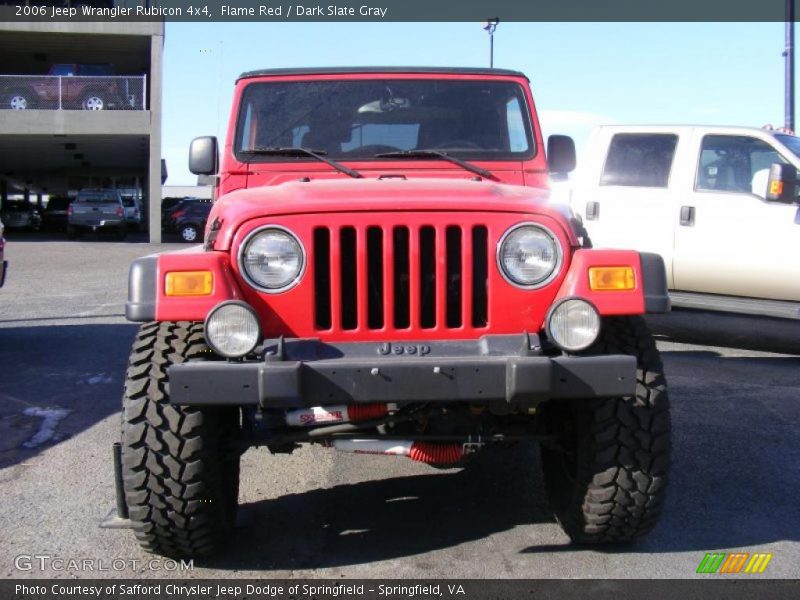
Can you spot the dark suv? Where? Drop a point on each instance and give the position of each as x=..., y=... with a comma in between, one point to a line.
x=54, y=216
x=188, y=220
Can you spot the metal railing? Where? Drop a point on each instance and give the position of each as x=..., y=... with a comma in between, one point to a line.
x=75, y=92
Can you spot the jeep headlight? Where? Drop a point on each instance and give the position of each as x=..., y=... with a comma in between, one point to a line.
x=272, y=259
x=529, y=255
x=232, y=329
x=573, y=324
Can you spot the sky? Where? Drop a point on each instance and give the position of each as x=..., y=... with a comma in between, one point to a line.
x=582, y=74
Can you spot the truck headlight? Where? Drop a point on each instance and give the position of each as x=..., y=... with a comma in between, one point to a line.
x=529, y=255
x=272, y=259
x=573, y=324
x=232, y=329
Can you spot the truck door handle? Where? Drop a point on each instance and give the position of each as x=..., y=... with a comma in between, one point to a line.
x=592, y=211
x=687, y=216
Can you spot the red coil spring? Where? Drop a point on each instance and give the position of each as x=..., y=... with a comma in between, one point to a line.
x=365, y=412
x=436, y=454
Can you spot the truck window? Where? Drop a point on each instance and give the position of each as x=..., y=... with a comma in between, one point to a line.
x=735, y=163
x=95, y=70
x=62, y=70
x=639, y=160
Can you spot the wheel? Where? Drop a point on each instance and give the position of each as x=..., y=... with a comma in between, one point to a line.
x=607, y=481
x=93, y=101
x=122, y=233
x=72, y=232
x=189, y=233
x=19, y=100
x=180, y=478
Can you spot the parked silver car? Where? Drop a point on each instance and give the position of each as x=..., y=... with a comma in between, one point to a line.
x=20, y=214
x=133, y=213
x=96, y=210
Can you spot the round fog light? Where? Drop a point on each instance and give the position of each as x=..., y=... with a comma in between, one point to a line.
x=232, y=329
x=573, y=325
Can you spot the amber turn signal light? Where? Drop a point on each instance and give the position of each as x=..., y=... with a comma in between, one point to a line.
x=611, y=278
x=189, y=283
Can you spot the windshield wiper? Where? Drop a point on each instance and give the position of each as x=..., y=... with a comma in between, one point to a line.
x=298, y=151
x=440, y=155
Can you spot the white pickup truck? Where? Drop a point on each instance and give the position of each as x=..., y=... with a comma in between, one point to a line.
x=696, y=195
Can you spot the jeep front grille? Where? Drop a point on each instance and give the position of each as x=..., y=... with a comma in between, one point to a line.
x=388, y=277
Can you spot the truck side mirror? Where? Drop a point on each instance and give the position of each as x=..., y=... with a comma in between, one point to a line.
x=203, y=156
x=782, y=184
x=561, y=154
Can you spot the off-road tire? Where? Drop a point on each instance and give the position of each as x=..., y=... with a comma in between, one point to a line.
x=181, y=479
x=608, y=482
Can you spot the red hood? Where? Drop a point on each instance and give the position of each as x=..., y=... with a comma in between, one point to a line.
x=373, y=195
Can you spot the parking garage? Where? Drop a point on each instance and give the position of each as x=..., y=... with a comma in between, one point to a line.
x=81, y=107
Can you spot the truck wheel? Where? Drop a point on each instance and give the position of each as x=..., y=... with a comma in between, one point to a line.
x=608, y=481
x=181, y=479
x=19, y=100
x=93, y=102
x=72, y=233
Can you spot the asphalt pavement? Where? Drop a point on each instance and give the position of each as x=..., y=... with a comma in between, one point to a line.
x=734, y=386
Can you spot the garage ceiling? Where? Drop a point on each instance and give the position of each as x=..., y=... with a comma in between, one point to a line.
x=30, y=156
x=27, y=53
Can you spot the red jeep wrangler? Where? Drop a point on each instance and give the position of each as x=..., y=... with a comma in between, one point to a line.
x=383, y=273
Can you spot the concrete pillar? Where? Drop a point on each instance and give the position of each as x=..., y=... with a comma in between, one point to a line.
x=154, y=161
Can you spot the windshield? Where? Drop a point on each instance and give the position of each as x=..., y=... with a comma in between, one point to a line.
x=358, y=119
x=791, y=142
x=98, y=196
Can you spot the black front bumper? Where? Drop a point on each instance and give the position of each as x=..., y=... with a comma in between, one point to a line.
x=498, y=369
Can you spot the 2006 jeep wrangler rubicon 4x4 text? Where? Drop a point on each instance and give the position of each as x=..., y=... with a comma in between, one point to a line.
x=382, y=273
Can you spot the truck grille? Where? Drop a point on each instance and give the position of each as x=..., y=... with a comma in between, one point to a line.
x=388, y=277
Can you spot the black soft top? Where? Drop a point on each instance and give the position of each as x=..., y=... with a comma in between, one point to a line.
x=409, y=70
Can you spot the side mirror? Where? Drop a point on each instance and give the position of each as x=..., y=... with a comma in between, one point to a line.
x=561, y=154
x=782, y=184
x=203, y=156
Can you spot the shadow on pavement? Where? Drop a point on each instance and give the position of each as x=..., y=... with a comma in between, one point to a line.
x=391, y=518
x=14, y=237
x=46, y=370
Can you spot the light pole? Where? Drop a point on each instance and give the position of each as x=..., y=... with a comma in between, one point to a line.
x=489, y=27
x=788, y=55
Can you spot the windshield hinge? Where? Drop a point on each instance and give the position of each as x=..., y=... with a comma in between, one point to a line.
x=212, y=234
